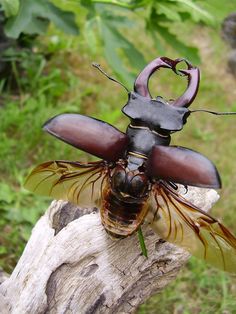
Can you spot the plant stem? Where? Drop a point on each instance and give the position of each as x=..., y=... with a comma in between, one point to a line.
x=142, y=242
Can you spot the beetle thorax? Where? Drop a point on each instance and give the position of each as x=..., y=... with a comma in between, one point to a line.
x=142, y=139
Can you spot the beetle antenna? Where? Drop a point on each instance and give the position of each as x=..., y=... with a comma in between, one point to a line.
x=214, y=112
x=96, y=65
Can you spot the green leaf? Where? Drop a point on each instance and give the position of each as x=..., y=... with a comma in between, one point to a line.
x=112, y=56
x=3, y=250
x=116, y=45
x=171, y=39
x=36, y=26
x=160, y=32
x=157, y=43
x=196, y=12
x=169, y=10
x=10, y=7
x=34, y=16
x=117, y=21
x=6, y=193
x=62, y=19
x=90, y=35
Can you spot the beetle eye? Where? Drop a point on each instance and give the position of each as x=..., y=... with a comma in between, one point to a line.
x=139, y=185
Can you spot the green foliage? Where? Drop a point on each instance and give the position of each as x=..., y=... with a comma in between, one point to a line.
x=10, y=7
x=15, y=222
x=111, y=24
x=114, y=42
x=22, y=145
x=108, y=21
x=34, y=16
x=183, y=7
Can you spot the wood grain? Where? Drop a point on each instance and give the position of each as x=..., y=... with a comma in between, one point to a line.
x=70, y=265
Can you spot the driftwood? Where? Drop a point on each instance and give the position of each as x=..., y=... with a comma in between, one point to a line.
x=70, y=265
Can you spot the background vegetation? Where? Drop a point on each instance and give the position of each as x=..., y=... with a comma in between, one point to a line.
x=46, y=51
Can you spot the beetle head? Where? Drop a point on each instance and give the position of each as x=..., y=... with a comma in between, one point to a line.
x=158, y=114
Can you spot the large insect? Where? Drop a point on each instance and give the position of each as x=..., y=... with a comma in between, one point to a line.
x=139, y=170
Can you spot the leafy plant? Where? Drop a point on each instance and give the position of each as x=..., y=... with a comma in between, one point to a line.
x=10, y=7
x=22, y=116
x=20, y=23
x=33, y=17
x=109, y=24
x=109, y=20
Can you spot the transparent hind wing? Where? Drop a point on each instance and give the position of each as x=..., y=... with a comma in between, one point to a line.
x=79, y=183
x=181, y=223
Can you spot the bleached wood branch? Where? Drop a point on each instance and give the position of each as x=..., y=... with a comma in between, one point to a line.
x=70, y=265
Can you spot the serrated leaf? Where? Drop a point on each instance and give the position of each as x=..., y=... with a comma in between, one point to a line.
x=10, y=7
x=62, y=19
x=37, y=26
x=169, y=10
x=112, y=56
x=196, y=12
x=133, y=55
x=114, y=45
x=157, y=43
x=32, y=15
x=171, y=39
x=114, y=19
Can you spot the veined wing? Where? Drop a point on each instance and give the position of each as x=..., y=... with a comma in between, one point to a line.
x=79, y=183
x=180, y=222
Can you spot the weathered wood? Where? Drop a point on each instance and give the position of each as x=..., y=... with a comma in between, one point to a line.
x=70, y=265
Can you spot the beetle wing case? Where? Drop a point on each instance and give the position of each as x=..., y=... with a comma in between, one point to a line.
x=184, y=166
x=88, y=134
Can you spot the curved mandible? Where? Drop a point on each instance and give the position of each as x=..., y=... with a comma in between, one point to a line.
x=193, y=74
x=141, y=82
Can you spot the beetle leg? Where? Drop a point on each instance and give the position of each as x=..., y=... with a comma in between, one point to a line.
x=173, y=185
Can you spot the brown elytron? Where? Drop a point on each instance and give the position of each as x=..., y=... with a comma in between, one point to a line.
x=139, y=171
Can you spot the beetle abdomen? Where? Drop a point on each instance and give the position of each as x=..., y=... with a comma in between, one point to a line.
x=122, y=218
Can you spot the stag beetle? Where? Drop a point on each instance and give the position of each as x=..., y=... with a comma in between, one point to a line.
x=139, y=170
